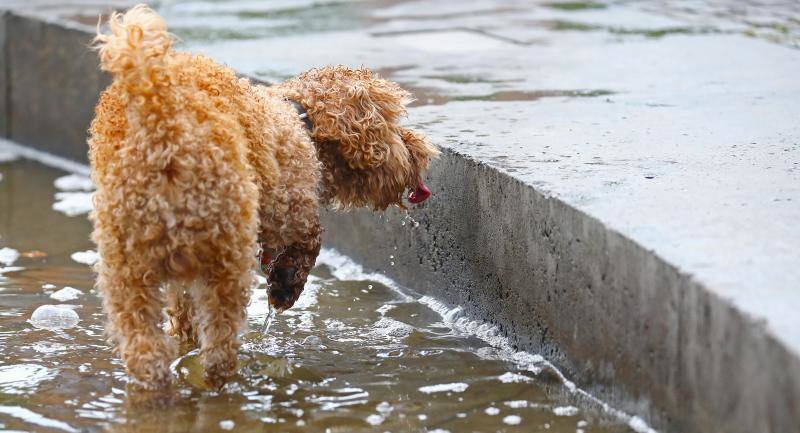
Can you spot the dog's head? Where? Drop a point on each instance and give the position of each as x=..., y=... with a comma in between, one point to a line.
x=369, y=159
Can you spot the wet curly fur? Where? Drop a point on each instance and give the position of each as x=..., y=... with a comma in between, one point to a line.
x=195, y=167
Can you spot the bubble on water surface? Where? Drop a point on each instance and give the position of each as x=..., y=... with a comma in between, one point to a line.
x=374, y=419
x=384, y=407
x=8, y=256
x=88, y=257
x=227, y=424
x=74, y=182
x=492, y=411
x=66, y=294
x=54, y=317
x=73, y=203
x=512, y=420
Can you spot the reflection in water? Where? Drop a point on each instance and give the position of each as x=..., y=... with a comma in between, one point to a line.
x=354, y=354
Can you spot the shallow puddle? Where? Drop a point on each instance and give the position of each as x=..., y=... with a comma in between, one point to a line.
x=356, y=353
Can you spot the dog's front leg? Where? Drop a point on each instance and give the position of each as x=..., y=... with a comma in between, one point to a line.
x=288, y=271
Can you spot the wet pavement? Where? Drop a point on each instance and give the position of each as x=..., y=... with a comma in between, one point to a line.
x=356, y=353
x=673, y=122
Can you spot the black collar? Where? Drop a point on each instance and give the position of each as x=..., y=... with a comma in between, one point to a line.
x=302, y=114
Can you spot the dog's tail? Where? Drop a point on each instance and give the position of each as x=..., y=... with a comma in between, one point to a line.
x=135, y=50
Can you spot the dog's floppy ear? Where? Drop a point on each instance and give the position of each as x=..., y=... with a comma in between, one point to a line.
x=364, y=129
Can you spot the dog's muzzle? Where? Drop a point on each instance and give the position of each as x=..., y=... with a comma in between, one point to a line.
x=419, y=194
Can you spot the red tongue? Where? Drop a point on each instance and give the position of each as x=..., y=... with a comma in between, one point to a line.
x=420, y=194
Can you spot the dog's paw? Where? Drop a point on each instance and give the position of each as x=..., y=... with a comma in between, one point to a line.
x=216, y=375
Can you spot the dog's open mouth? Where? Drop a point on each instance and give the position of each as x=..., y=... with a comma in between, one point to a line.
x=419, y=194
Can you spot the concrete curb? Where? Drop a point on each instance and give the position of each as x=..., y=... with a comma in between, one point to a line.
x=627, y=325
x=51, y=83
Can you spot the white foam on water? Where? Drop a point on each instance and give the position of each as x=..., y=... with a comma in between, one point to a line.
x=383, y=309
x=390, y=328
x=73, y=203
x=227, y=424
x=492, y=411
x=7, y=155
x=512, y=420
x=513, y=378
x=439, y=430
x=344, y=268
x=9, y=147
x=88, y=257
x=639, y=426
x=517, y=404
x=444, y=387
x=66, y=294
x=8, y=256
x=54, y=317
x=565, y=410
x=454, y=317
x=74, y=182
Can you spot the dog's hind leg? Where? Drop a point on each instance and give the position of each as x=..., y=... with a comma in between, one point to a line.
x=133, y=303
x=220, y=306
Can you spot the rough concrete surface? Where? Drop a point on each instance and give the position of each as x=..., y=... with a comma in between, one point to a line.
x=3, y=75
x=619, y=187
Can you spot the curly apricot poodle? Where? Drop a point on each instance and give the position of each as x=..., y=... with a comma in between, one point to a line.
x=195, y=167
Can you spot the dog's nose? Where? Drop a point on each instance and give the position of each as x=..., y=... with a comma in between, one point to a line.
x=281, y=291
x=420, y=194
